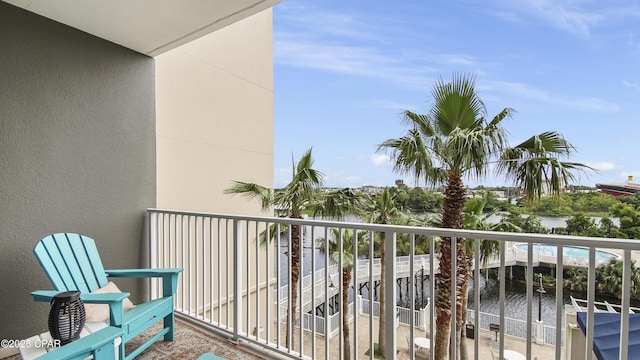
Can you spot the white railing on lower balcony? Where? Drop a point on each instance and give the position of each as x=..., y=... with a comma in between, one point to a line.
x=363, y=306
x=233, y=283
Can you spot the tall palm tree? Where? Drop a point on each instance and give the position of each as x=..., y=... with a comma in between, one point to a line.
x=476, y=219
x=301, y=194
x=347, y=259
x=456, y=140
x=382, y=209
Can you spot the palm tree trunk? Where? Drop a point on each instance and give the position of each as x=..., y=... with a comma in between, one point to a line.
x=293, y=283
x=346, y=279
x=382, y=324
x=463, y=355
x=452, y=217
x=443, y=300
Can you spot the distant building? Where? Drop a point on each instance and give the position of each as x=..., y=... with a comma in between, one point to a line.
x=370, y=189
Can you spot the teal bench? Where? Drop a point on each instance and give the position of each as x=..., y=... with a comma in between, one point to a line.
x=209, y=357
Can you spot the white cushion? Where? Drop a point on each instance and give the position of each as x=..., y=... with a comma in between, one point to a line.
x=100, y=312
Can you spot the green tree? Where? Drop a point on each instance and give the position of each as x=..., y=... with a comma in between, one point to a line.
x=593, y=202
x=610, y=230
x=551, y=206
x=631, y=200
x=582, y=225
x=629, y=219
x=490, y=200
x=576, y=279
x=455, y=139
x=608, y=279
x=301, y=194
x=421, y=200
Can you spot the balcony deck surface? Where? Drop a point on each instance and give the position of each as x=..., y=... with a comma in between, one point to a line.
x=191, y=342
x=486, y=343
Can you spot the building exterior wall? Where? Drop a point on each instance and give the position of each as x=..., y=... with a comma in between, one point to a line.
x=215, y=126
x=77, y=153
x=215, y=118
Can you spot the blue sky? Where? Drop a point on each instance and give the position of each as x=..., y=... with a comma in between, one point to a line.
x=345, y=70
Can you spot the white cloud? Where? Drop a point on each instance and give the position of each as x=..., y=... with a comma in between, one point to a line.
x=631, y=85
x=530, y=93
x=603, y=166
x=381, y=160
x=566, y=15
x=349, y=58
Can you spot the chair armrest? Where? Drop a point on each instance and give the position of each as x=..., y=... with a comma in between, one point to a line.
x=44, y=295
x=169, y=277
x=105, y=298
x=143, y=273
x=83, y=347
x=114, y=300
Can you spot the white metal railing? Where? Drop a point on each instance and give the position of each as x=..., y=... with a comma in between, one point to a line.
x=600, y=306
x=514, y=327
x=234, y=284
x=364, y=307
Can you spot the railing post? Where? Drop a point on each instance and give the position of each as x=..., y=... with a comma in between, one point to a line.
x=153, y=238
x=237, y=279
x=390, y=295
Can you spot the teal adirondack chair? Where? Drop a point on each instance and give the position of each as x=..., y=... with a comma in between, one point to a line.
x=71, y=262
x=99, y=345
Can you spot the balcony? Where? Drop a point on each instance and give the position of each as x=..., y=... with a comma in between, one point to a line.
x=237, y=287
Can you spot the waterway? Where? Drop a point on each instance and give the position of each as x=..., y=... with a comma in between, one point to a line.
x=515, y=293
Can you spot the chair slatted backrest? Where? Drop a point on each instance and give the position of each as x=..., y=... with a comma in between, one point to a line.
x=71, y=262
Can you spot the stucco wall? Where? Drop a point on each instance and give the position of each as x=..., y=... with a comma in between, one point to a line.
x=215, y=125
x=215, y=118
x=77, y=153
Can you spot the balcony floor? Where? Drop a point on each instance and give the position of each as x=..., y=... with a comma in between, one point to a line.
x=190, y=342
x=486, y=343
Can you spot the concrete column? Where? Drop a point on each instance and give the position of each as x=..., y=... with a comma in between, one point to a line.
x=423, y=321
x=539, y=332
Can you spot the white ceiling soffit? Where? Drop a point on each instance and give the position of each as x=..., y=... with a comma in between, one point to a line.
x=150, y=27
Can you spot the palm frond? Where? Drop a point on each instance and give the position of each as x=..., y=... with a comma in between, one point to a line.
x=251, y=191
x=410, y=154
x=338, y=203
x=456, y=103
x=535, y=165
x=549, y=142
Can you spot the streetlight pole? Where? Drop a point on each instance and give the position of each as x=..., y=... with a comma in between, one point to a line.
x=422, y=283
x=540, y=292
